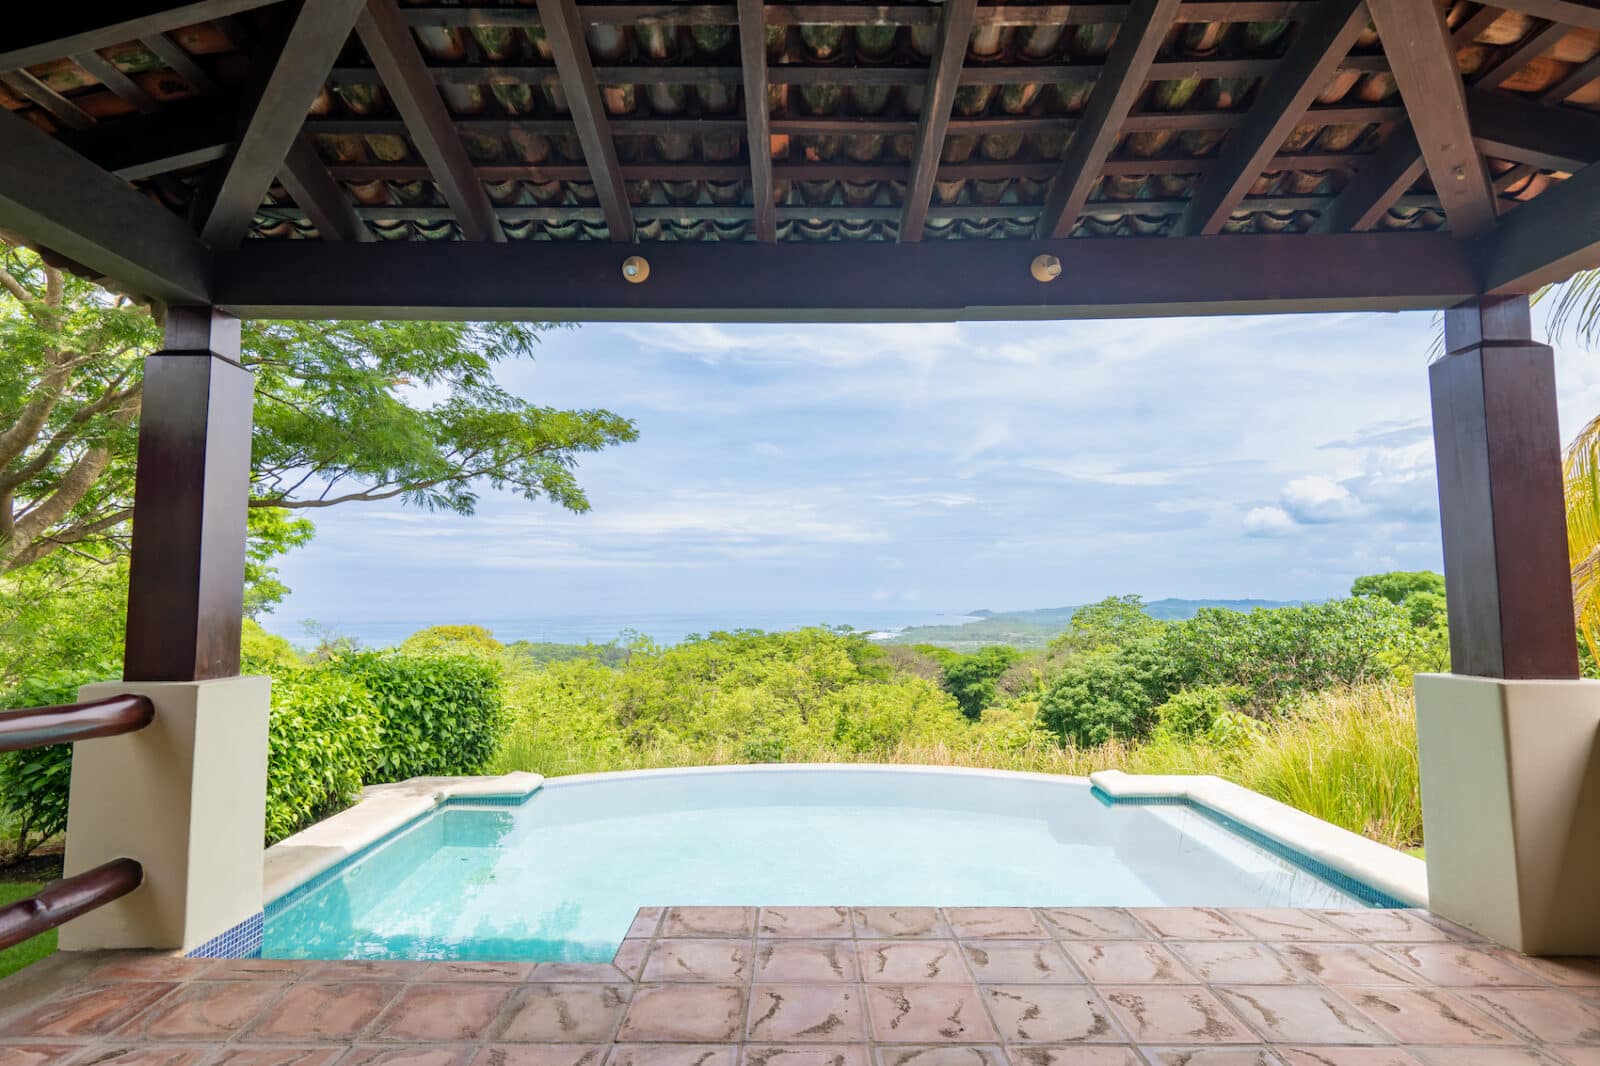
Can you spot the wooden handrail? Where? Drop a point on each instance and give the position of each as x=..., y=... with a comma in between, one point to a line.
x=66, y=899
x=36, y=727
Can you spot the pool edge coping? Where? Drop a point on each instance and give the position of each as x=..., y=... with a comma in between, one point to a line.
x=1392, y=872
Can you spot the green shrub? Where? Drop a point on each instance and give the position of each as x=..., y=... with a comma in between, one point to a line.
x=322, y=732
x=1191, y=713
x=971, y=678
x=34, y=784
x=1110, y=695
x=436, y=715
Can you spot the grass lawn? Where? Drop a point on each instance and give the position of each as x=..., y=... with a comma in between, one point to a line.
x=14, y=959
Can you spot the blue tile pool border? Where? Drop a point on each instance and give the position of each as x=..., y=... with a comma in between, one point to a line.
x=243, y=941
x=1362, y=891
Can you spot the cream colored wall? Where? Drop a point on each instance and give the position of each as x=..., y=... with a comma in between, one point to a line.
x=186, y=797
x=1511, y=808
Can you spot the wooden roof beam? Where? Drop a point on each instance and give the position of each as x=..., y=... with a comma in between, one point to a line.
x=107, y=74
x=1320, y=44
x=944, y=74
x=1378, y=185
x=1571, y=12
x=1119, y=88
x=428, y=122
x=314, y=42
x=1547, y=240
x=175, y=56
x=52, y=31
x=323, y=199
x=41, y=95
x=53, y=197
x=1536, y=44
x=183, y=134
x=1512, y=127
x=1474, y=25
x=564, y=32
x=1423, y=59
x=757, y=116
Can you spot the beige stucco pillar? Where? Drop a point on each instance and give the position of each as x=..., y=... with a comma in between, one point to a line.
x=1511, y=806
x=186, y=797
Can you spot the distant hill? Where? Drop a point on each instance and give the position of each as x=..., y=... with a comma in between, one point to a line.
x=1034, y=629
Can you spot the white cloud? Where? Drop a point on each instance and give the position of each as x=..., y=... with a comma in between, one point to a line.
x=1268, y=522
x=1313, y=500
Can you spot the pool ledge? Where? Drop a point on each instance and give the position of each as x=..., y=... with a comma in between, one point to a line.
x=1391, y=872
x=381, y=810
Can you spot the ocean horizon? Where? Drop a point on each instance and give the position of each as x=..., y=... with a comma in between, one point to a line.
x=663, y=627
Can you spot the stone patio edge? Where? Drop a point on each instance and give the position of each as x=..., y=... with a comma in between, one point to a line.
x=381, y=810
x=1391, y=872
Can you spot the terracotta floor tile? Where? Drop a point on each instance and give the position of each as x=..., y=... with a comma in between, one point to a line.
x=1427, y=1016
x=912, y=961
x=1575, y=1056
x=1348, y=964
x=1049, y=1014
x=1093, y=923
x=804, y=1055
x=469, y=970
x=205, y=1010
x=692, y=922
x=629, y=958
x=1127, y=962
x=443, y=1012
x=542, y=1055
x=262, y=969
x=683, y=1013
x=725, y=961
x=137, y=966
x=1561, y=970
x=1175, y=1014
x=1189, y=923
x=806, y=960
x=886, y=923
x=672, y=1055
x=822, y=1013
x=1019, y=962
x=324, y=1011
x=1460, y=965
x=941, y=1055
x=1346, y=1056
x=148, y=1055
x=277, y=1055
x=645, y=922
x=93, y=1011
x=1211, y=1056
x=1236, y=963
x=38, y=1054
x=1072, y=1055
x=807, y=923
x=929, y=1014
x=581, y=973
x=413, y=1055
x=1283, y=923
x=1544, y=1014
x=564, y=1014
x=391, y=970
x=1377, y=924
x=1483, y=1056
x=994, y=923
x=1296, y=1014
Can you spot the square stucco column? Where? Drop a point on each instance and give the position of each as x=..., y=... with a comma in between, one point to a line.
x=186, y=797
x=1511, y=801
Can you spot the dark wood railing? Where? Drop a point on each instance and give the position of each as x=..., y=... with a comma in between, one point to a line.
x=37, y=727
x=68, y=898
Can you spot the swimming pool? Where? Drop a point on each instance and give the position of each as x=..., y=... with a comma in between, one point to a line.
x=560, y=876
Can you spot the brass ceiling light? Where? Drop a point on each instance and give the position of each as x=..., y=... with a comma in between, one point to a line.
x=635, y=269
x=1045, y=268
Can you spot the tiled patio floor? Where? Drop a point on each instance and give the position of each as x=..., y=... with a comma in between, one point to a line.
x=868, y=987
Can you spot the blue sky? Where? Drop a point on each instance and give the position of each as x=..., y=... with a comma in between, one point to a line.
x=937, y=467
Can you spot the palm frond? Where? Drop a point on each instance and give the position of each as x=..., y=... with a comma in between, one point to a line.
x=1577, y=307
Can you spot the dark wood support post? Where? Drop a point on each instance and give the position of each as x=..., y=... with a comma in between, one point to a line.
x=1500, y=496
x=191, y=491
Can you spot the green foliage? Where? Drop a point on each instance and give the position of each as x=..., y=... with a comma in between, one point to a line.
x=1112, y=623
x=33, y=949
x=436, y=715
x=59, y=615
x=261, y=652
x=971, y=678
x=273, y=531
x=453, y=640
x=1420, y=592
x=535, y=653
x=1192, y=713
x=34, y=783
x=323, y=730
x=1110, y=695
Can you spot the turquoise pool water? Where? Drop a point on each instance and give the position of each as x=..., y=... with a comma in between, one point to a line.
x=560, y=876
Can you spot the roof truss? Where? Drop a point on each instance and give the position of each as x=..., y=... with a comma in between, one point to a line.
x=944, y=74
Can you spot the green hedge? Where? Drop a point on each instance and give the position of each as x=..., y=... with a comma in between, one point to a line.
x=436, y=715
x=323, y=731
x=34, y=783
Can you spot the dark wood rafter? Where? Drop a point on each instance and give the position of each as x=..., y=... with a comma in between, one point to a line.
x=310, y=49
x=758, y=117
x=53, y=197
x=184, y=134
x=1583, y=75
x=52, y=31
x=175, y=56
x=1512, y=127
x=59, y=107
x=1424, y=61
x=1579, y=13
x=107, y=74
x=1126, y=70
x=1535, y=44
x=1319, y=45
x=1520, y=172
x=1545, y=241
x=944, y=74
x=427, y=121
x=324, y=200
x=564, y=32
x=1376, y=187
x=1468, y=31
